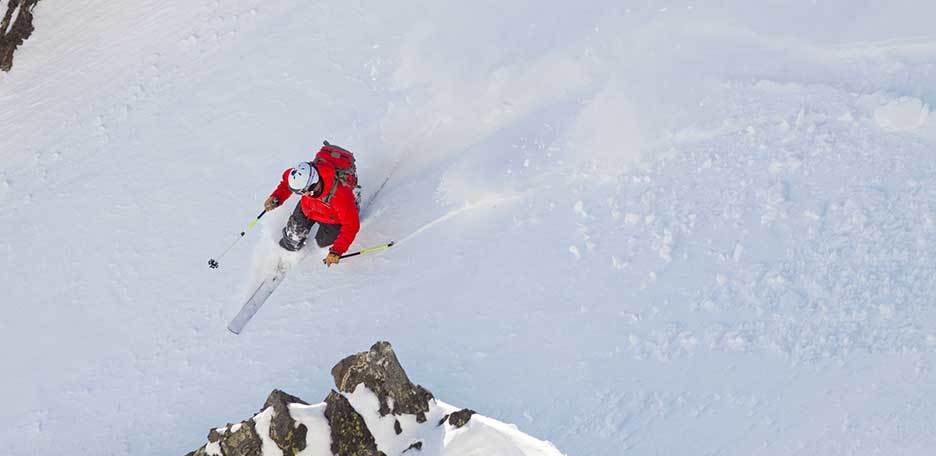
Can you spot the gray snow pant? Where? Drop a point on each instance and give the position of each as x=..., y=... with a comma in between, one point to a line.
x=298, y=227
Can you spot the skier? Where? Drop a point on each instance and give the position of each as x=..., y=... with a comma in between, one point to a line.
x=327, y=188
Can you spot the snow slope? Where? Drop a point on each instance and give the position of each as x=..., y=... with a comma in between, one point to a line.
x=624, y=226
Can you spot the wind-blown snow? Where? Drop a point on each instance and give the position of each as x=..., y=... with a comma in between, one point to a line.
x=629, y=227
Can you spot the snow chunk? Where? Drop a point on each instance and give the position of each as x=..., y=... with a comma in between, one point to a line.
x=580, y=209
x=736, y=253
x=666, y=246
x=902, y=114
x=887, y=311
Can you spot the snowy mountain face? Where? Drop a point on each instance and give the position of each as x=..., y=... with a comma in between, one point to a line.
x=627, y=227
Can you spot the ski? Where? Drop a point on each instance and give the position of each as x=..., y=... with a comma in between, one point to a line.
x=258, y=297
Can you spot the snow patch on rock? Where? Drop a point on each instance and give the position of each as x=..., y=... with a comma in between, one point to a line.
x=318, y=436
x=262, y=419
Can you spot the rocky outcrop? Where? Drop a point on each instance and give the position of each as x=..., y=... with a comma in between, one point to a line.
x=349, y=434
x=380, y=371
x=232, y=440
x=16, y=27
x=459, y=418
x=288, y=435
x=243, y=440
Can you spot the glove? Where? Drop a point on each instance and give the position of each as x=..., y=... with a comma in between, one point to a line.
x=271, y=203
x=332, y=258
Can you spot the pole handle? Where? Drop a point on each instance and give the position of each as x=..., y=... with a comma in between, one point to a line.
x=253, y=222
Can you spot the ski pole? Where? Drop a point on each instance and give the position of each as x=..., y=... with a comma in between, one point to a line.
x=369, y=250
x=213, y=263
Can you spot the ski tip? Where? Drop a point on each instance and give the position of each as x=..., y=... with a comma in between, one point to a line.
x=233, y=331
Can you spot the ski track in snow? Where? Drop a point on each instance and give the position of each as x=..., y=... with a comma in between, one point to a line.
x=709, y=222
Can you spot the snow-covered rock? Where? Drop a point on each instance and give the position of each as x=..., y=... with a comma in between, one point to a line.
x=380, y=371
x=376, y=412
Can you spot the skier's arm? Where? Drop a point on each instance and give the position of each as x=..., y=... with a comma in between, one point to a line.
x=350, y=224
x=282, y=192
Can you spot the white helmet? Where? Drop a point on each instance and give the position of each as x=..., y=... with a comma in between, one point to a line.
x=303, y=177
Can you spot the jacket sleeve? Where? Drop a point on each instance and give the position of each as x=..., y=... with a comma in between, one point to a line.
x=282, y=192
x=350, y=224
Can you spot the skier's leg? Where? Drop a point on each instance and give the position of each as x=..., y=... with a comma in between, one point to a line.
x=296, y=230
x=327, y=234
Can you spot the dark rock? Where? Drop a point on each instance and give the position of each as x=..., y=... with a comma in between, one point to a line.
x=443, y=420
x=243, y=442
x=415, y=446
x=423, y=396
x=283, y=430
x=461, y=417
x=13, y=35
x=397, y=428
x=349, y=433
x=380, y=371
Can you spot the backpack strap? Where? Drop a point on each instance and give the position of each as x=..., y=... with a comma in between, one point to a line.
x=334, y=187
x=331, y=192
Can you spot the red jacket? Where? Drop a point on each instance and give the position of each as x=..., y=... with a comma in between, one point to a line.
x=341, y=210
